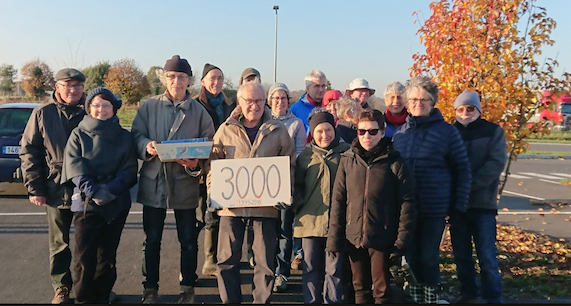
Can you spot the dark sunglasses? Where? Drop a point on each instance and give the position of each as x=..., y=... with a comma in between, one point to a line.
x=372, y=132
x=469, y=109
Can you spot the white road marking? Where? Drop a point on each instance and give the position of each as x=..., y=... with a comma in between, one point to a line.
x=562, y=174
x=540, y=175
x=552, y=182
x=43, y=213
x=523, y=195
x=515, y=176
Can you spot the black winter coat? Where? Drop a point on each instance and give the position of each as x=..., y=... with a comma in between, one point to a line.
x=373, y=204
x=436, y=155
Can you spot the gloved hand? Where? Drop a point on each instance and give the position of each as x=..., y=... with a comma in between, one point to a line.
x=103, y=196
x=281, y=205
x=395, y=256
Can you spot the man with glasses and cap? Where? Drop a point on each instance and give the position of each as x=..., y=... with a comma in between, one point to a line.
x=43, y=144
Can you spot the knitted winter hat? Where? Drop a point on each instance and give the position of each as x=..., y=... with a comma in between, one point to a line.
x=107, y=95
x=468, y=98
x=178, y=64
x=320, y=117
x=207, y=68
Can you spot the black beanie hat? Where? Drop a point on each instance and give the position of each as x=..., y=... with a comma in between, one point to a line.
x=178, y=64
x=320, y=117
x=207, y=68
x=106, y=94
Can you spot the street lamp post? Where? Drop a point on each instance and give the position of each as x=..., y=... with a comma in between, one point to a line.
x=276, y=8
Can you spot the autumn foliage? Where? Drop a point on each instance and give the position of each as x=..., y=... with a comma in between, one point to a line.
x=126, y=79
x=37, y=78
x=492, y=47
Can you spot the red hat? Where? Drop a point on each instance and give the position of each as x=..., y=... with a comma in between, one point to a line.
x=330, y=95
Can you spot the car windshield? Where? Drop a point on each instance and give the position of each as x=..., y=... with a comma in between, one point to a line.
x=566, y=108
x=13, y=120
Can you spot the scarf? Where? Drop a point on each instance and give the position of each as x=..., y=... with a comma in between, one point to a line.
x=216, y=103
x=399, y=120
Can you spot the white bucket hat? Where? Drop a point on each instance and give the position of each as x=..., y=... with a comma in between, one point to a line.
x=359, y=83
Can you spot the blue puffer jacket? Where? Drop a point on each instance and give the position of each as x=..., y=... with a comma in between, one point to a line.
x=301, y=109
x=437, y=157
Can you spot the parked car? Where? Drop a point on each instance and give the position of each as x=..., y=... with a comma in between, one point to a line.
x=13, y=120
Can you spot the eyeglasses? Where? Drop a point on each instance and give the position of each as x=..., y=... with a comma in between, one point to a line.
x=372, y=132
x=468, y=109
x=102, y=106
x=416, y=100
x=279, y=98
x=172, y=77
x=252, y=102
x=70, y=86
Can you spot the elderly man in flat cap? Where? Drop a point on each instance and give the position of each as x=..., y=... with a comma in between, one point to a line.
x=42, y=147
x=170, y=185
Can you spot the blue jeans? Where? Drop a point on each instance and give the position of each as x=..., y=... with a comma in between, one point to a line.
x=285, y=234
x=481, y=229
x=153, y=224
x=424, y=253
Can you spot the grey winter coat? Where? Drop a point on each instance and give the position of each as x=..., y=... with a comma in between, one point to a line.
x=169, y=184
x=295, y=129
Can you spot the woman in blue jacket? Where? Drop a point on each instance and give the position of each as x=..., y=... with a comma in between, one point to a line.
x=437, y=158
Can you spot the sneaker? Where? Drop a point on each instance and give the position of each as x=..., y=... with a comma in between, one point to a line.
x=61, y=295
x=150, y=296
x=296, y=263
x=186, y=296
x=280, y=284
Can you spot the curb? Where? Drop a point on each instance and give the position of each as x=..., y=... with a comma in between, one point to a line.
x=543, y=156
x=550, y=201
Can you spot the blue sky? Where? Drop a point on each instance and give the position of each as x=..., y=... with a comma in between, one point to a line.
x=345, y=39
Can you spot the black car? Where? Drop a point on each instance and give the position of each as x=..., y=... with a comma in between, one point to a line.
x=13, y=120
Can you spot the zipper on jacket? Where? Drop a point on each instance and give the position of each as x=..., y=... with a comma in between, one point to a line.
x=367, y=176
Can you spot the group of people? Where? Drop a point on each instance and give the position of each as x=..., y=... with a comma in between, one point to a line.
x=368, y=188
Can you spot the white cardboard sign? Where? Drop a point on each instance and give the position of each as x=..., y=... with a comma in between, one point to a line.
x=250, y=182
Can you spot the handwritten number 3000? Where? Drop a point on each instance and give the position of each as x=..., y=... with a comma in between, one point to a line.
x=243, y=171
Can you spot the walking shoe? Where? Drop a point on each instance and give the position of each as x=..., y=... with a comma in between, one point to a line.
x=296, y=263
x=186, y=295
x=150, y=296
x=61, y=295
x=280, y=284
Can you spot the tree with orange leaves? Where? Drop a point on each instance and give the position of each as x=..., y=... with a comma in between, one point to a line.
x=125, y=78
x=37, y=78
x=492, y=47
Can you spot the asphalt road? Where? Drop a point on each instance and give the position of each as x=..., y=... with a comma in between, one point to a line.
x=24, y=252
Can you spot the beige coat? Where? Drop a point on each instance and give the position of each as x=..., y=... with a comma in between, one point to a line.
x=232, y=142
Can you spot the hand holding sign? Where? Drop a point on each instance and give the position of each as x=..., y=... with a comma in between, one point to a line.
x=250, y=182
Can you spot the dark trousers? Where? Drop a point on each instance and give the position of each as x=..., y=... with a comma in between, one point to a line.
x=230, y=241
x=479, y=228
x=370, y=270
x=285, y=236
x=424, y=254
x=313, y=272
x=153, y=224
x=59, y=223
x=95, y=256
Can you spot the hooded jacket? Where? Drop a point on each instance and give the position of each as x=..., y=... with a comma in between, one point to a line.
x=315, y=172
x=169, y=185
x=374, y=203
x=42, y=149
x=436, y=155
x=232, y=142
x=101, y=153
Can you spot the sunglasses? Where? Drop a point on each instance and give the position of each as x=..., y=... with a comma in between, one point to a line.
x=372, y=132
x=469, y=109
